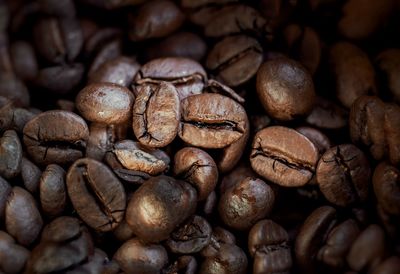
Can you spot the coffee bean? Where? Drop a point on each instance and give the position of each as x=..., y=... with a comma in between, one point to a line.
x=190, y=237
x=110, y=50
x=135, y=256
x=219, y=237
x=56, y=137
x=10, y=154
x=184, y=264
x=327, y=114
x=320, y=140
x=386, y=179
x=120, y=71
x=30, y=174
x=343, y=174
x=235, y=59
x=14, y=255
x=388, y=64
x=229, y=259
x=235, y=19
x=14, y=89
x=105, y=103
x=22, y=217
x=285, y=89
x=198, y=168
x=368, y=250
x=352, y=71
x=211, y=121
x=24, y=60
x=268, y=244
x=187, y=75
x=134, y=156
x=389, y=266
x=311, y=237
x=283, y=156
x=158, y=206
x=156, y=114
x=156, y=18
x=245, y=203
x=96, y=194
x=53, y=194
x=180, y=44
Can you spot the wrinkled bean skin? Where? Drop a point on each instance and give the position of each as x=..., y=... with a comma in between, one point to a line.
x=96, y=194
x=46, y=142
x=343, y=175
x=156, y=114
x=211, y=121
x=283, y=156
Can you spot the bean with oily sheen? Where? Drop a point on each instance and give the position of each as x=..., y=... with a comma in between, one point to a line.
x=105, y=103
x=283, y=156
x=10, y=154
x=156, y=114
x=158, y=206
x=96, y=194
x=343, y=174
x=245, y=203
x=211, y=120
x=285, y=89
x=198, y=168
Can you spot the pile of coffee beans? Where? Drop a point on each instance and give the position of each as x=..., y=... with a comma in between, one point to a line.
x=200, y=136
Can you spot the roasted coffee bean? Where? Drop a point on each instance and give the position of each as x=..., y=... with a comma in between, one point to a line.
x=214, y=86
x=375, y=124
x=56, y=136
x=30, y=174
x=198, y=168
x=285, y=89
x=156, y=18
x=338, y=243
x=105, y=103
x=190, y=237
x=361, y=28
x=123, y=232
x=235, y=59
x=235, y=19
x=67, y=105
x=53, y=193
x=65, y=244
x=184, y=264
x=61, y=79
x=343, y=175
x=5, y=190
x=180, y=44
x=158, y=206
x=327, y=114
x=58, y=39
x=388, y=63
x=386, y=182
x=320, y=140
x=247, y=202
x=120, y=71
x=23, y=60
x=268, y=245
x=368, y=250
x=136, y=257
x=96, y=194
x=10, y=154
x=352, y=71
x=22, y=217
x=311, y=237
x=156, y=114
x=236, y=176
x=187, y=75
x=284, y=156
x=57, y=8
x=229, y=259
x=134, y=156
x=219, y=237
x=304, y=45
x=14, y=255
x=211, y=121
x=107, y=52
x=14, y=89
x=389, y=266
